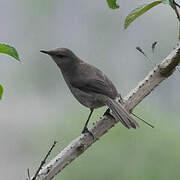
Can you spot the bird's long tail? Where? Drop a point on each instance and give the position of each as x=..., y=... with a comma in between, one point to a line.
x=121, y=114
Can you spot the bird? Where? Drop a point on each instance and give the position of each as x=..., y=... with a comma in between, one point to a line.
x=90, y=86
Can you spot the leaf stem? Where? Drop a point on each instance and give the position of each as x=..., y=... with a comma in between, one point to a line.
x=175, y=9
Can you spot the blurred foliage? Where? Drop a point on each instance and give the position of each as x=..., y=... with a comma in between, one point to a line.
x=112, y=4
x=135, y=13
x=9, y=50
x=1, y=91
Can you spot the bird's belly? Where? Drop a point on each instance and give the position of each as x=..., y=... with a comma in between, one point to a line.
x=90, y=100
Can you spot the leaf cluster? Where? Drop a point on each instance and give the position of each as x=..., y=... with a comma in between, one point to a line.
x=141, y=9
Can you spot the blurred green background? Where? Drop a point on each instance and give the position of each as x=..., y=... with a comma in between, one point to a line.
x=37, y=107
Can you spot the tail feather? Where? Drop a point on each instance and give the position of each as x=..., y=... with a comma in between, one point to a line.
x=121, y=114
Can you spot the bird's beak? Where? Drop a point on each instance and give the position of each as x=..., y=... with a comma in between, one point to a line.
x=47, y=52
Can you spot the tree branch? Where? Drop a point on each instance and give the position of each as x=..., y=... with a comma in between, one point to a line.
x=84, y=141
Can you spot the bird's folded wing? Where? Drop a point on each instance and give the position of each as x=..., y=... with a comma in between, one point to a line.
x=96, y=86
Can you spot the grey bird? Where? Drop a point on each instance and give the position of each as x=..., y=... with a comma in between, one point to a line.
x=90, y=86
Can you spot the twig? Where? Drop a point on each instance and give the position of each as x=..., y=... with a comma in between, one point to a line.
x=44, y=161
x=28, y=173
x=176, y=11
x=153, y=46
x=177, y=4
x=84, y=141
x=142, y=52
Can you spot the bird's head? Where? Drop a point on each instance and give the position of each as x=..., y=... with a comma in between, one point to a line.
x=61, y=55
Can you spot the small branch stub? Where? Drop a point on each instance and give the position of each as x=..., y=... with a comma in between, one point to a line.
x=42, y=162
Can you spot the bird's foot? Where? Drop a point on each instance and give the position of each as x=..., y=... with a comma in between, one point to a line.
x=86, y=130
x=107, y=113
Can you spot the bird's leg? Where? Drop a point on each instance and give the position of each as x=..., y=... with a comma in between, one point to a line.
x=85, y=129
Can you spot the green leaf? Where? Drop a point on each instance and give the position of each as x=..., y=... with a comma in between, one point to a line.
x=11, y=51
x=112, y=4
x=138, y=12
x=1, y=91
x=170, y=2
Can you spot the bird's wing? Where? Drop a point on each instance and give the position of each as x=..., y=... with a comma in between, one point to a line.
x=99, y=86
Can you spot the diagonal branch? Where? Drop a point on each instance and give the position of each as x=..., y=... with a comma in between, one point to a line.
x=84, y=141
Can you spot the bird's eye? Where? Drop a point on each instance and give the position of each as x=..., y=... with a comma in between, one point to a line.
x=60, y=56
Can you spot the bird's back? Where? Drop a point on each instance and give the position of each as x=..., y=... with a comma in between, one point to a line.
x=90, y=79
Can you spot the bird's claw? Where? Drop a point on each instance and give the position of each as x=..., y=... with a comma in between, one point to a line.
x=86, y=130
x=107, y=113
